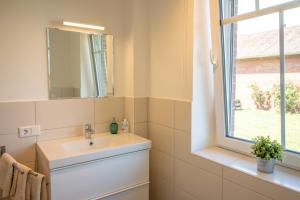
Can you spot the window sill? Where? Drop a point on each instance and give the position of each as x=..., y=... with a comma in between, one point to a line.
x=282, y=176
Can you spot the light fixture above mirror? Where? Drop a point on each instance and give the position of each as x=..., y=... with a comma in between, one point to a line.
x=88, y=26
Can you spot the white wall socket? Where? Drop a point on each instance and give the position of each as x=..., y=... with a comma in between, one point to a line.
x=29, y=131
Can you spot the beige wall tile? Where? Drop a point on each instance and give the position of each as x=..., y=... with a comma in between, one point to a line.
x=162, y=138
x=182, y=150
x=161, y=189
x=161, y=165
x=233, y=191
x=199, y=183
x=140, y=110
x=161, y=111
x=16, y=114
x=22, y=149
x=108, y=108
x=137, y=193
x=182, y=115
x=141, y=129
x=102, y=128
x=53, y=134
x=64, y=113
x=30, y=165
x=181, y=195
x=260, y=186
x=129, y=112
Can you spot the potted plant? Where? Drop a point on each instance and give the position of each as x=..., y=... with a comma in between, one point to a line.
x=266, y=152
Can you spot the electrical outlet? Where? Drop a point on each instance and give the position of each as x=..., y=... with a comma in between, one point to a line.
x=35, y=130
x=29, y=131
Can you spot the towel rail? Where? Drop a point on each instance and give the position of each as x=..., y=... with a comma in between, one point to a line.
x=2, y=150
x=15, y=165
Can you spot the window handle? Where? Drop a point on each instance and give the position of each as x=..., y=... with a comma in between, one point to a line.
x=213, y=60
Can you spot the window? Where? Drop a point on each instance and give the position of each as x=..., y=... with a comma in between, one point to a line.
x=261, y=74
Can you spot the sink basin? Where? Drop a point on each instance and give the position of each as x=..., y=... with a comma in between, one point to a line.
x=69, y=151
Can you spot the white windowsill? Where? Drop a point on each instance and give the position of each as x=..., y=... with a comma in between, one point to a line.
x=282, y=176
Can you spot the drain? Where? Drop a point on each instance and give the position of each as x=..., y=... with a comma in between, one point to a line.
x=91, y=143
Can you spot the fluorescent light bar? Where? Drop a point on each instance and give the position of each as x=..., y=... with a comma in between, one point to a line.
x=66, y=23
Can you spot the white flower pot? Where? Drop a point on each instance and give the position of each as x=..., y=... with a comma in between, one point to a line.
x=266, y=166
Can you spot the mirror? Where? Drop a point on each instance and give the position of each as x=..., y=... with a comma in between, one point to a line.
x=80, y=65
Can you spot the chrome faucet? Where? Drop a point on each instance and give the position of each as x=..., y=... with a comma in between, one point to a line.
x=88, y=131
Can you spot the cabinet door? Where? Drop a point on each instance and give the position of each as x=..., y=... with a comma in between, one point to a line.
x=232, y=191
x=100, y=178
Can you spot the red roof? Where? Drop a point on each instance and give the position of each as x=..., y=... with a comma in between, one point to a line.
x=266, y=44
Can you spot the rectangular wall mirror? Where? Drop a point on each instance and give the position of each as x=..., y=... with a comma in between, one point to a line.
x=80, y=65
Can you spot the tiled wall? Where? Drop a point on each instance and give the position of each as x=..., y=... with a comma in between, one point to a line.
x=57, y=118
x=136, y=111
x=177, y=174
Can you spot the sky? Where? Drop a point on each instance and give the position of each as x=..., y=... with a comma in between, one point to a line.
x=267, y=22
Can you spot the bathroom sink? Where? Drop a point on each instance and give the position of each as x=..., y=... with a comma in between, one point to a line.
x=65, y=152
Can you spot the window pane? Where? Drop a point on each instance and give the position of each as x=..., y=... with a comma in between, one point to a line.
x=237, y=7
x=269, y=3
x=292, y=78
x=243, y=6
x=252, y=74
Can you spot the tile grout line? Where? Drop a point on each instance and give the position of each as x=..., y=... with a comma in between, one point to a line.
x=94, y=112
x=173, y=150
x=222, y=183
x=36, y=137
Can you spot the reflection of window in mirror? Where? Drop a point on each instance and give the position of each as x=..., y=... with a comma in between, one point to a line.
x=80, y=65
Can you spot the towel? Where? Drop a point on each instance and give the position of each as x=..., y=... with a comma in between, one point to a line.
x=44, y=190
x=36, y=187
x=6, y=174
x=18, y=188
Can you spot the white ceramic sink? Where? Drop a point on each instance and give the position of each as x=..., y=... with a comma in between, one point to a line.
x=74, y=150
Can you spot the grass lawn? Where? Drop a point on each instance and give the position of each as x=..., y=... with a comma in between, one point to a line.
x=251, y=123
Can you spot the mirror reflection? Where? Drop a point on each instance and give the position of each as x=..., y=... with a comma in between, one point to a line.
x=80, y=65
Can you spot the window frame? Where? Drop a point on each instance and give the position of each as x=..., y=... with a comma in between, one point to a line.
x=291, y=159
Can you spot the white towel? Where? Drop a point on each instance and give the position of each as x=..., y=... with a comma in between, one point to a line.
x=6, y=174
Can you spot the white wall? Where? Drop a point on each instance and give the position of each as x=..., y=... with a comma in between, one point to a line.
x=179, y=60
x=65, y=59
x=136, y=48
x=170, y=66
x=23, y=55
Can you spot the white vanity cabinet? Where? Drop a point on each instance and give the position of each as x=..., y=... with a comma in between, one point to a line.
x=115, y=167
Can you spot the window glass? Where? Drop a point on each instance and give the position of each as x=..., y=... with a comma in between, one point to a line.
x=243, y=6
x=252, y=73
x=237, y=7
x=269, y=3
x=292, y=78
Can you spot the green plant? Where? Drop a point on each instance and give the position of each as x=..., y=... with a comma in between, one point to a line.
x=292, y=97
x=262, y=99
x=265, y=148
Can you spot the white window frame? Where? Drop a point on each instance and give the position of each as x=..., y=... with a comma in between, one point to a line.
x=290, y=159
